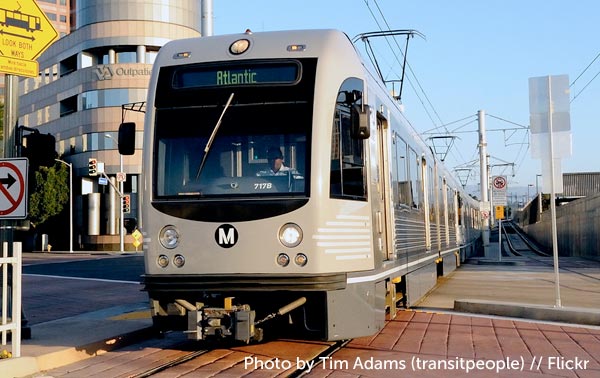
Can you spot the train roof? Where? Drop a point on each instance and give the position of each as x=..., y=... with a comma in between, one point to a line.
x=309, y=43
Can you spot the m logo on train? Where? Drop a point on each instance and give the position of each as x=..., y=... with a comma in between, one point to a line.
x=226, y=236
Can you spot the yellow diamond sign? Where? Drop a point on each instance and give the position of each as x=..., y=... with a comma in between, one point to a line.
x=137, y=234
x=25, y=33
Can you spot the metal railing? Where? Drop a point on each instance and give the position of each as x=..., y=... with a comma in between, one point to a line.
x=14, y=326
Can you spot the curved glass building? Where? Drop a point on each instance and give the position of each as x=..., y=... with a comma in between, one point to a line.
x=90, y=81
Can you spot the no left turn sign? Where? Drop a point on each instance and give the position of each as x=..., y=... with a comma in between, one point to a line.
x=13, y=188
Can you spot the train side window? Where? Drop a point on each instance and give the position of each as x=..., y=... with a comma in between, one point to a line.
x=348, y=171
x=431, y=194
x=402, y=187
x=460, y=209
x=416, y=187
x=426, y=177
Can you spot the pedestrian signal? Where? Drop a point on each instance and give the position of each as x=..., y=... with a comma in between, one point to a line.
x=93, y=167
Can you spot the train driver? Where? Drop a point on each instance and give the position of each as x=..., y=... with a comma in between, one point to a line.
x=276, y=165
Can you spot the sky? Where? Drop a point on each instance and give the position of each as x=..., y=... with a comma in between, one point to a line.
x=475, y=55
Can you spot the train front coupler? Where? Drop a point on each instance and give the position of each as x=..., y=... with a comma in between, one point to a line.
x=235, y=322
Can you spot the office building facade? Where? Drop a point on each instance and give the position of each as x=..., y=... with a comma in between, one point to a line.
x=85, y=79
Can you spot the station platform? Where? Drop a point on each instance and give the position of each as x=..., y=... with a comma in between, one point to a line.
x=75, y=319
x=521, y=287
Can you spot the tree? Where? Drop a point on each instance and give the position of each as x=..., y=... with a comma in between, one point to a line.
x=50, y=195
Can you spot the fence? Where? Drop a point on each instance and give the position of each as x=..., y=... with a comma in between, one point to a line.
x=15, y=295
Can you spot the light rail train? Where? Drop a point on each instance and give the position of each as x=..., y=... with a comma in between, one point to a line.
x=284, y=192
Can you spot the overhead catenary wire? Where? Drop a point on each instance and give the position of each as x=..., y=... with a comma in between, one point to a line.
x=440, y=127
x=414, y=76
x=582, y=89
x=398, y=48
x=581, y=74
x=584, y=70
x=398, y=60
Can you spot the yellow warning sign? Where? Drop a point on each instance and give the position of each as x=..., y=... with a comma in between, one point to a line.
x=499, y=212
x=29, y=68
x=137, y=235
x=25, y=33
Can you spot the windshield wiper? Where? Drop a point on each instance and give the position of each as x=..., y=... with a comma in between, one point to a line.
x=212, y=137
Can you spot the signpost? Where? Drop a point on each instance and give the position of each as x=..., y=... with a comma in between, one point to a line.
x=499, y=184
x=550, y=119
x=25, y=33
x=13, y=188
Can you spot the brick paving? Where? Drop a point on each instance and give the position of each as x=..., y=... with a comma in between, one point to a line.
x=534, y=349
x=414, y=344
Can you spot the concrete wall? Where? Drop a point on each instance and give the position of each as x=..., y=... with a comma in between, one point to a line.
x=578, y=228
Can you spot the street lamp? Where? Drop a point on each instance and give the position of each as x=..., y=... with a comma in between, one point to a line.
x=121, y=218
x=70, y=202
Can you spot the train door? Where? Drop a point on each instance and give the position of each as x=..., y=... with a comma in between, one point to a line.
x=446, y=211
x=383, y=207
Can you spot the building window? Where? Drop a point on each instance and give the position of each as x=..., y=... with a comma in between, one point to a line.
x=127, y=57
x=111, y=97
x=68, y=106
x=151, y=57
x=87, y=60
x=68, y=65
x=93, y=142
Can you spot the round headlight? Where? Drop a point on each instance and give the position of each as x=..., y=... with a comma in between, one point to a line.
x=239, y=47
x=290, y=235
x=169, y=237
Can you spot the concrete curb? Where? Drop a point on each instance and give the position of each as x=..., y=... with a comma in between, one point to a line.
x=27, y=366
x=574, y=315
x=18, y=367
x=64, y=341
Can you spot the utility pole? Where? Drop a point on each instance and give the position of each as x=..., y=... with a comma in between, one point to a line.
x=121, y=195
x=483, y=175
x=207, y=18
x=70, y=165
x=11, y=117
x=553, y=198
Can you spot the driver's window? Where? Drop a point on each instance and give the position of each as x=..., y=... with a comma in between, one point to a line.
x=348, y=173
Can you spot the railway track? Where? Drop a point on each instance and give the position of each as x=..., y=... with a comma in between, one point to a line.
x=519, y=244
x=175, y=356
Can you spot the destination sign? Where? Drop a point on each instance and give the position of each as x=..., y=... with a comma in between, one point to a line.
x=236, y=75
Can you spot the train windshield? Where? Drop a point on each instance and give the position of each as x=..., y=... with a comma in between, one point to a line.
x=232, y=141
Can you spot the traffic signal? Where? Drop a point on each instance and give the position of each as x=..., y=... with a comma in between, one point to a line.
x=93, y=167
x=40, y=149
x=126, y=203
x=127, y=138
